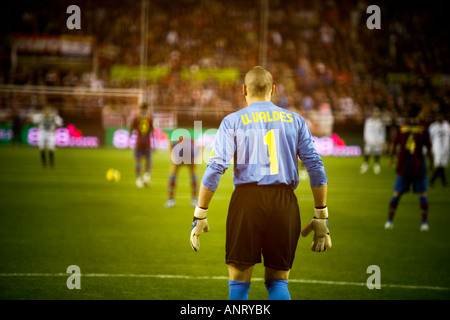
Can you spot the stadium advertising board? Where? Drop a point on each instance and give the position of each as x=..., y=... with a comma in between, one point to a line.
x=335, y=146
x=59, y=45
x=6, y=134
x=121, y=138
x=326, y=146
x=69, y=136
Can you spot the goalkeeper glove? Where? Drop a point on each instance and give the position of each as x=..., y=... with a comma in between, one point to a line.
x=199, y=225
x=319, y=224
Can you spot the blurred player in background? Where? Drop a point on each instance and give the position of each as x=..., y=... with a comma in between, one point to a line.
x=265, y=142
x=17, y=122
x=374, y=141
x=143, y=126
x=411, y=170
x=182, y=153
x=47, y=122
x=440, y=140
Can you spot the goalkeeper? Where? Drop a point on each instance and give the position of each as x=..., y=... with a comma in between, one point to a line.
x=265, y=142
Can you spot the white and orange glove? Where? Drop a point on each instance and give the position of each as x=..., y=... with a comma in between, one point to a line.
x=199, y=226
x=319, y=224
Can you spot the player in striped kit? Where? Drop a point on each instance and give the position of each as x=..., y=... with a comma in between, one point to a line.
x=183, y=153
x=411, y=170
x=47, y=122
x=143, y=126
x=265, y=142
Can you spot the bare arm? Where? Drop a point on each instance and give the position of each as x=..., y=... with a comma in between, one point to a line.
x=204, y=197
x=320, y=196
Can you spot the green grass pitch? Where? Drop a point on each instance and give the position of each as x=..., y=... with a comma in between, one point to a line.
x=128, y=246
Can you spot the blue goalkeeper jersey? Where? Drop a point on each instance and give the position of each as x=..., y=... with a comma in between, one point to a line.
x=264, y=141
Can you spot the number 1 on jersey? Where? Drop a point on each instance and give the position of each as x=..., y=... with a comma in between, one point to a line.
x=270, y=140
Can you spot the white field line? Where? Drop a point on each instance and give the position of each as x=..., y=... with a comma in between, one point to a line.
x=169, y=276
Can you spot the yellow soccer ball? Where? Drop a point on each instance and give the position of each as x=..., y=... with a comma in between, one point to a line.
x=112, y=175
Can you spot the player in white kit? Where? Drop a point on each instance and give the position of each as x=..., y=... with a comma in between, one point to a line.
x=374, y=141
x=47, y=123
x=440, y=140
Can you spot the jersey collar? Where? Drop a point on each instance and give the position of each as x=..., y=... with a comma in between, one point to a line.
x=261, y=104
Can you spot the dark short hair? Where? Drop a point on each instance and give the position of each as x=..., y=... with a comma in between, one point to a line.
x=414, y=110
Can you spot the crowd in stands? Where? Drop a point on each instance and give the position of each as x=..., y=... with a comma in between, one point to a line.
x=323, y=57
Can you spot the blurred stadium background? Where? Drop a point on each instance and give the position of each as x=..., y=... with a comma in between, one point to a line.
x=186, y=59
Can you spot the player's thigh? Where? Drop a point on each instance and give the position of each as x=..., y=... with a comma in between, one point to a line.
x=138, y=153
x=372, y=149
x=147, y=154
x=244, y=227
x=51, y=141
x=420, y=186
x=174, y=168
x=377, y=149
x=193, y=168
x=402, y=184
x=42, y=141
x=282, y=233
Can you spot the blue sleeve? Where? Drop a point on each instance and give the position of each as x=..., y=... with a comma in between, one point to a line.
x=308, y=154
x=224, y=149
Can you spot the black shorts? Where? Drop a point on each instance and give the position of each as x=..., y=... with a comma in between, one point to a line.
x=262, y=220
